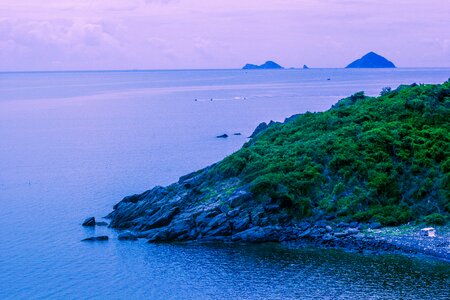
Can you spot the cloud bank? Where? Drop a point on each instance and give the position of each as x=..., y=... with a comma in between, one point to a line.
x=171, y=34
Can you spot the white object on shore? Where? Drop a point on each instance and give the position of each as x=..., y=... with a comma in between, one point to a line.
x=430, y=231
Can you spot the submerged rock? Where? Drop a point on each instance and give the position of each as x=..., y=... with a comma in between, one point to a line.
x=127, y=236
x=223, y=136
x=101, y=238
x=102, y=223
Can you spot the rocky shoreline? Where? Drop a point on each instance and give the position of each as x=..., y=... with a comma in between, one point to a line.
x=202, y=208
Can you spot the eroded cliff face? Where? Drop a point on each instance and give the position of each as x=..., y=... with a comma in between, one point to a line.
x=199, y=207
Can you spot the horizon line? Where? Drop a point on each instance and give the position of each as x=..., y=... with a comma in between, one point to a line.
x=203, y=69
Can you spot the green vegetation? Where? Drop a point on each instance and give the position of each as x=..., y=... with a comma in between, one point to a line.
x=435, y=219
x=384, y=159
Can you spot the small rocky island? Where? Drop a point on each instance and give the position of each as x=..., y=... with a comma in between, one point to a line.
x=371, y=60
x=365, y=175
x=265, y=66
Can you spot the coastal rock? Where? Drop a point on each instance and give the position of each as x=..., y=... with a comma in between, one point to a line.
x=343, y=225
x=101, y=238
x=191, y=182
x=272, y=208
x=257, y=235
x=352, y=231
x=321, y=224
x=215, y=222
x=305, y=233
x=303, y=225
x=328, y=237
x=238, y=198
x=162, y=218
x=354, y=224
x=223, y=136
x=89, y=222
x=127, y=236
x=374, y=225
x=341, y=234
x=102, y=223
x=260, y=128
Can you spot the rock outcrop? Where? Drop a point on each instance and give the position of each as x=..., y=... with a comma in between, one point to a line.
x=193, y=209
x=258, y=193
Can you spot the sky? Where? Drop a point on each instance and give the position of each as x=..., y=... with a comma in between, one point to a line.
x=205, y=34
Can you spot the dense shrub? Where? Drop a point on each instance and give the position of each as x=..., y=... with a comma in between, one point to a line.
x=385, y=159
x=435, y=219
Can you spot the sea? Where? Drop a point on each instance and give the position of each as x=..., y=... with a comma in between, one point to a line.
x=73, y=144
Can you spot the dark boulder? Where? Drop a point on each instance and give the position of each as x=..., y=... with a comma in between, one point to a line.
x=258, y=235
x=89, y=222
x=223, y=136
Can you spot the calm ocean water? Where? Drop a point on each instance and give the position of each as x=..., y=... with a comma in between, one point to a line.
x=73, y=144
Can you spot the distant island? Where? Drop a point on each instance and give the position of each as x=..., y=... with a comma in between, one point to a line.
x=371, y=60
x=267, y=65
x=328, y=178
x=305, y=67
